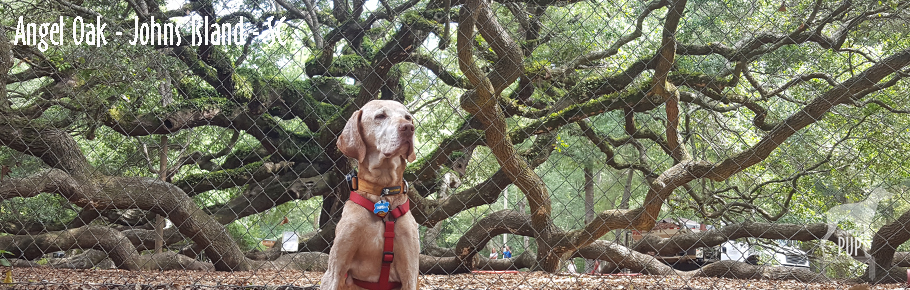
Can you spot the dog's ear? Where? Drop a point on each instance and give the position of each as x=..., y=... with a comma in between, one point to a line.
x=412, y=154
x=351, y=141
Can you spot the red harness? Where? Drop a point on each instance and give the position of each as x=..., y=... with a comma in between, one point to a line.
x=388, y=245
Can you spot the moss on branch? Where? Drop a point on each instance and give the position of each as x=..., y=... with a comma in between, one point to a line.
x=696, y=80
x=184, y=113
x=196, y=65
x=345, y=65
x=194, y=184
x=537, y=69
x=633, y=97
x=422, y=20
x=190, y=88
x=228, y=178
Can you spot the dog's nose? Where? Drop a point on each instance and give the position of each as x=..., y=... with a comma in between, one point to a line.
x=406, y=128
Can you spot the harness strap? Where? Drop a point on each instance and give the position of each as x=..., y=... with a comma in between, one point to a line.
x=368, y=205
x=388, y=246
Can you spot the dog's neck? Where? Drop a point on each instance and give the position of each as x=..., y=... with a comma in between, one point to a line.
x=383, y=172
x=379, y=173
x=373, y=192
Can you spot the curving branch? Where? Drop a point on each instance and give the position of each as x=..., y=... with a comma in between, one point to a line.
x=796, y=80
x=622, y=257
x=484, y=100
x=497, y=223
x=748, y=199
x=256, y=199
x=230, y=178
x=809, y=114
x=635, y=98
x=105, y=239
x=661, y=87
x=275, y=191
x=429, y=212
x=772, y=231
x=661, y=188
x=606, y=146
x=882, y=104
x=308, y=16
x=426, y=169
x=884, y=247
x=204, y=161
x=437, y=68
x=639, y=22
x=688, y=97
x=210, y=112
x=74, y=179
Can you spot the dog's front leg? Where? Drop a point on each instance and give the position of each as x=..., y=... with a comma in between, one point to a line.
x=341, y=254
x=335, y=275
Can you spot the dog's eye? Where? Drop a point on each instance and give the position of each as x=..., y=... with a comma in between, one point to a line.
x=407, y=117
x=380, y=116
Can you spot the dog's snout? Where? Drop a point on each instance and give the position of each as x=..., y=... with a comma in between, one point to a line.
x=406, y=128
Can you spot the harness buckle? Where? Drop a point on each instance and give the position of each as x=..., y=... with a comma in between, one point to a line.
x=387, y=257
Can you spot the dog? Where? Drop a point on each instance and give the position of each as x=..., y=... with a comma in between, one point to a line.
x=380, y=136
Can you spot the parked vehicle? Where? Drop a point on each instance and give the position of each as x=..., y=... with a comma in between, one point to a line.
x=689, y=259
x=780, y=253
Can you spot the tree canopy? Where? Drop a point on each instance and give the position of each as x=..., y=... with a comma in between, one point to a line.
x=562, y=121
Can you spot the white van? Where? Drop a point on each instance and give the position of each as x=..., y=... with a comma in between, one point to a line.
x=782, y=254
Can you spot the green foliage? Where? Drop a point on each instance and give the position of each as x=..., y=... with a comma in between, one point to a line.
x=3, y=261
x=242, y=236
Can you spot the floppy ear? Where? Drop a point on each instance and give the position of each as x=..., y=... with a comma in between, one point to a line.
x=350, y=143
x=412, y=154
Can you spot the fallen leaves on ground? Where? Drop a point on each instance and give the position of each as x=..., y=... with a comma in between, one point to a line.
x=48, y=278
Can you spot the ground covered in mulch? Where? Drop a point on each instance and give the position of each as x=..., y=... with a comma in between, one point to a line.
x=47, y=278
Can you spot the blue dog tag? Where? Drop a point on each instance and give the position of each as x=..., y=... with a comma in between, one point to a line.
x=381, y=208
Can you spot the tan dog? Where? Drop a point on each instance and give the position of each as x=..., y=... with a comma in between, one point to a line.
x=381, y=137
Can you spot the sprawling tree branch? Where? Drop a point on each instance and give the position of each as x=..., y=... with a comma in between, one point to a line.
x=75, y=180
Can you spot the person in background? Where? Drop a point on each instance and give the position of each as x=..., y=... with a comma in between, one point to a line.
x=493, y=254
x=570, y=266
x=506, y=253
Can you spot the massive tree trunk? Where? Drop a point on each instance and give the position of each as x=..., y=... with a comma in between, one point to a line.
x=883, y=248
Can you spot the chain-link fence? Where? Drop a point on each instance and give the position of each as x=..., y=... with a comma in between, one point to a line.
x=520, y=144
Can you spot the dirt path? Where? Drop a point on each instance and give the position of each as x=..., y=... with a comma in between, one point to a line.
x=45, y=278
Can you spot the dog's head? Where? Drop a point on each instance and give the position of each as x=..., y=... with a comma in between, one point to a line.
x=381, y=129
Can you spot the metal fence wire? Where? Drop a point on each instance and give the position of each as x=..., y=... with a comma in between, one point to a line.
x=567, y=144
